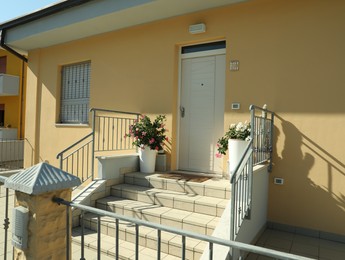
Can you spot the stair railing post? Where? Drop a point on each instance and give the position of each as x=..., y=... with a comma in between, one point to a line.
x=6, y=225
x=93, y=143
x=60, y=159
x=253, y=135
x=264, y=143
x=252, y=122
x=136, y=148
x=271, y=143
x=250, y=179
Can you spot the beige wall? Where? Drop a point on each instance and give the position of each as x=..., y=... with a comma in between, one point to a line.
x=14, y=106
x=291, y=58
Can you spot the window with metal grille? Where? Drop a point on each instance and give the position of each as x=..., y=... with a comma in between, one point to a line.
x=75, y=93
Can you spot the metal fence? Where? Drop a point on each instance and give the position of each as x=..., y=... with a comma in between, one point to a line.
x=108, y=130
x=258, y=150
x=7, y=202
x=160, y=229
x=262, y=123
x=241, y=191
x=5, y=205
x=11, y=154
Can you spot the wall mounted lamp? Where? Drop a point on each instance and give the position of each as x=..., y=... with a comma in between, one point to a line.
x=197, y=28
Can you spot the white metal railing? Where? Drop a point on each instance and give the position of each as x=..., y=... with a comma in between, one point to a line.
x=11, y=154
x=259, y=150
x=262, y=124
x=160, y=228
x=241, y=191
x=5, y=215
x=138, y=223
x=108, y=130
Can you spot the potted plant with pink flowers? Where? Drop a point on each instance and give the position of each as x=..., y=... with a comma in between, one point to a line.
x=149, y=136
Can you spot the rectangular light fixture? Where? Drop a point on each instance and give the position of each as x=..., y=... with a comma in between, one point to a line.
x=197, y=28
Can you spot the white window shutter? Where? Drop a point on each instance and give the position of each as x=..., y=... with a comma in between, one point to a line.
x=75, y=93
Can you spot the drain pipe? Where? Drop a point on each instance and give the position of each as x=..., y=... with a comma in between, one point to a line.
x=9, y=49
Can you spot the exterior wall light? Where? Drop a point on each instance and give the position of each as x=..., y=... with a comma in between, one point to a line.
x=197, y=28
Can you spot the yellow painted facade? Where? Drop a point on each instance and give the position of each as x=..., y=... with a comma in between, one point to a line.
x=15, y=105
x=291, y=58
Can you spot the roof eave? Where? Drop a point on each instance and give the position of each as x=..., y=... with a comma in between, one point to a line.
x=42, y=13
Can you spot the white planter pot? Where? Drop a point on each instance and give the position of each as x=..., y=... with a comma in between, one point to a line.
x=236, y=150
x=147, y=159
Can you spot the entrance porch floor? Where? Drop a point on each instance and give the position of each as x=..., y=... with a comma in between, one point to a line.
x=312, y=247
x=293, y=243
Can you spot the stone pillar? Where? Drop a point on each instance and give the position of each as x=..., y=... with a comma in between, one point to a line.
x=47, y=226
x=35, y=189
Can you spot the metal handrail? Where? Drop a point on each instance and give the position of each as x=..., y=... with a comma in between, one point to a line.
x=113, y=111
x=256, y=152
x=264, y=109
x=159, y=227
x=6, y=218
x=11, y=154
x=262, y=134
x=71, y=162
x=70, y=154
x=76, y=156
x=60, y=154
x=241, y=191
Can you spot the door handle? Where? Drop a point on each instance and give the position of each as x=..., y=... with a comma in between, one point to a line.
x=182, y=110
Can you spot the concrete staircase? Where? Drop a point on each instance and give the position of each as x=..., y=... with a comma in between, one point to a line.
x=181, y=204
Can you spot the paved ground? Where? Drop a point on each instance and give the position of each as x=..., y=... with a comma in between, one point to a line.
x=283, y=241
x=89, y=254
x=312, y=247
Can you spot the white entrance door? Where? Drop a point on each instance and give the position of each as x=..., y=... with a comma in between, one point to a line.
x=201, y=112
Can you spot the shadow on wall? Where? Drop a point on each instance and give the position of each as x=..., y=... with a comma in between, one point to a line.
x=306, y=203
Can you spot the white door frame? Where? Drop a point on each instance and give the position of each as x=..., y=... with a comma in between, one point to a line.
x=181, y=57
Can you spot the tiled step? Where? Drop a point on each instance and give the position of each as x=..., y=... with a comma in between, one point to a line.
x=172, y=199
x=181, y=219
x=180, y=204
x=214, y=187
x=126, y=249
x=170, y=243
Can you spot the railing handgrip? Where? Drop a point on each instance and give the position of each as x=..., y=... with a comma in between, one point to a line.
x=215, y=240
x=112, y=111
x=69, y=147
x=252, y=107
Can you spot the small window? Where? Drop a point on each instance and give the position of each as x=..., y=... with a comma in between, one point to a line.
x=75, y=93
x=203, y=47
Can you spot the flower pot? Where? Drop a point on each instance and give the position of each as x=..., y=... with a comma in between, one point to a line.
x=147, y=159
x=236, y=148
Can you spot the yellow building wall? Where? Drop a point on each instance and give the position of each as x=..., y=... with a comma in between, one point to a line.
x=15, y=105
x=291, y=58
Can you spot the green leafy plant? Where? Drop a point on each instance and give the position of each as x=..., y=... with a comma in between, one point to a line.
x=148, y=133
x=240, y=131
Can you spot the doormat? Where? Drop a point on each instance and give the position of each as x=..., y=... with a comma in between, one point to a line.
x=184, y=177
